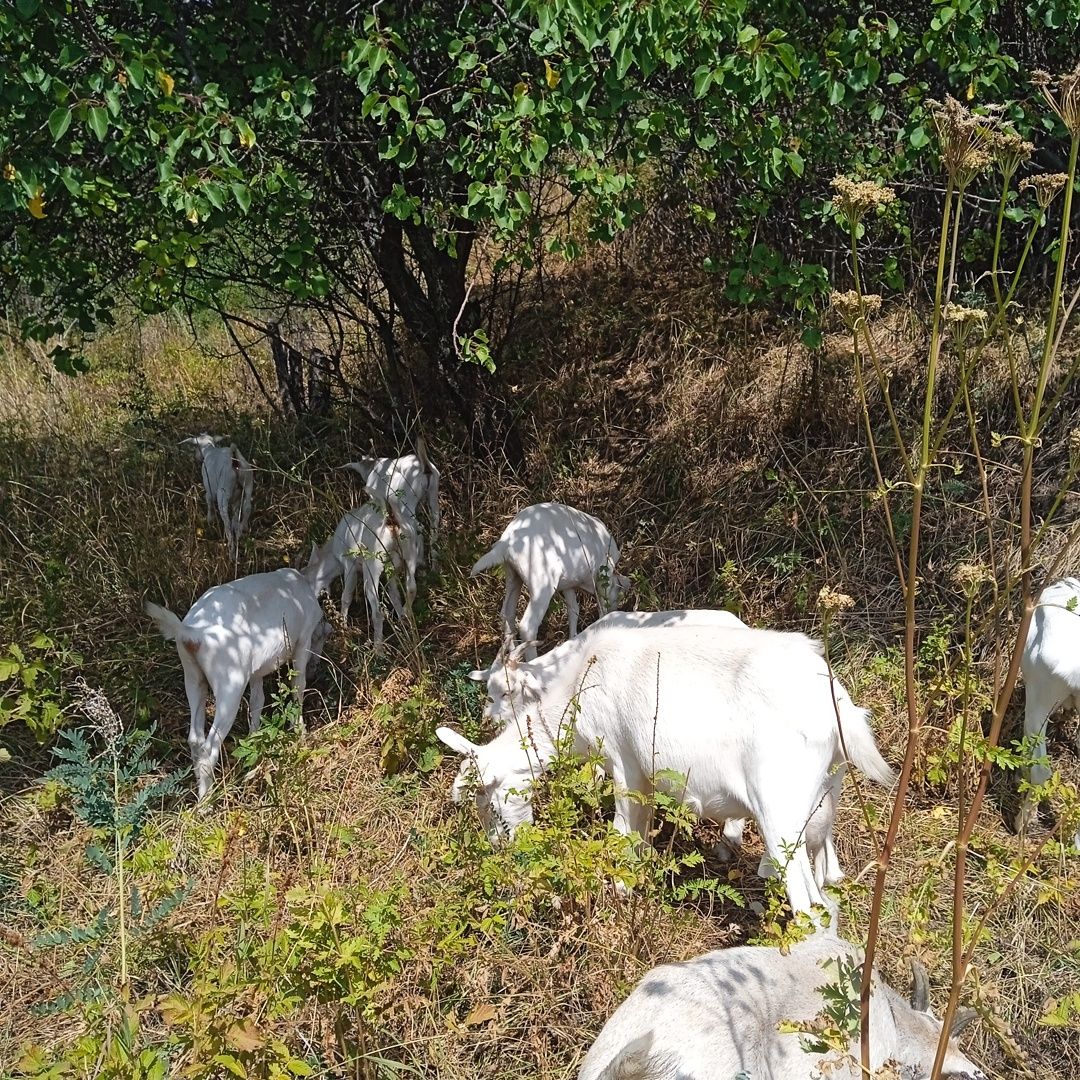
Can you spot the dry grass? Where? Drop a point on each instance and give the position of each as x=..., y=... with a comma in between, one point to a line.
x=732, y=473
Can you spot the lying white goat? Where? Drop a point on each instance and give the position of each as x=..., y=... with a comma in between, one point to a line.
x=718, y=1017
x=404, y=482
x=233, y=637
x=746, y=716
x=370, y=537
x=228, y=480
x=552, y=548
x=1051, y=667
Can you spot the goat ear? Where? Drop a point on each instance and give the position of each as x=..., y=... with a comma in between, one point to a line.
x=518, y=651
x=530, y=687
x=455, y=741
x=920, y=987
x=961, y=1019
x=479, y=675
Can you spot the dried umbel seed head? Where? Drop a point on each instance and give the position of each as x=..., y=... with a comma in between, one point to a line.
x=1045, y=185
x=853, y=308
x=833, y=602
x=969, y=576
x=963, y=316
x=1010, y=151
x=853, y=198
x=1064, y=99
x=964, y=139
x=95, y=706
x=1074, y=447
x=961, y=320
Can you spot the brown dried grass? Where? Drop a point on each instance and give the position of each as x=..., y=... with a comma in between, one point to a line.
x=731, y=471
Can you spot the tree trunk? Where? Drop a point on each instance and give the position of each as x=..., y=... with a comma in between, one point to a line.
x=289, y=369
x=432, y=299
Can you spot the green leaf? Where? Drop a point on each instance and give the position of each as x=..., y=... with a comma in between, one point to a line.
x=242, y=195
x=215, y=195
x=231, y=1064
x=788, y=58
x=98, y=119
x=59, y=122
x=27, y=8
x=918, y=137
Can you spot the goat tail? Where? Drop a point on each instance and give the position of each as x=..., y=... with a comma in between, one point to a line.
x=859, y=742
x=634, y=1062
x=168, y=623
x=495, y=557
x=421, y=453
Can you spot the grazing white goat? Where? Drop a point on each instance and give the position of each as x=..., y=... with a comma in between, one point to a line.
x=1051, y=667
x=510, y=679
x=228, y=480
x=552, y=548
x=370, y=537
x=406, y=483
x=746, y=716
x=719, y=1017
x=232, y=638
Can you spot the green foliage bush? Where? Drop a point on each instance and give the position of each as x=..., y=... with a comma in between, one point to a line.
x=31, y=684
x=176, y=155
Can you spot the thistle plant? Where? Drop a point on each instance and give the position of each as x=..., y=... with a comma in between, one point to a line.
x=968, y=145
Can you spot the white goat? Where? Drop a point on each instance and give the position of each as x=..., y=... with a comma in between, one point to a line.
x=405, y=482
x=232, y=638
x=228, y=480
x=718, y=1017
x=371, y=537
x=509, y=680
x=748, y=717
x=552, y=548
x=1051, y=667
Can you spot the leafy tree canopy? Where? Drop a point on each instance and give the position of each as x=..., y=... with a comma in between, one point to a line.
x=349, y=158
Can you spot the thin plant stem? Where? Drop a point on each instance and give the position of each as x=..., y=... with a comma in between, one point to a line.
x=120, y=883
x=878, y=369
x=910, y=684
x=872, y=445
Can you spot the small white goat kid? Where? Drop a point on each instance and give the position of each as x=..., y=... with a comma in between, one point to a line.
x=746, y=716
x=232, y=638
x=1051, y=667
x=228, y=480
x=405, y=483
x=552, y=548
x=369, y=538
x=718, y=1017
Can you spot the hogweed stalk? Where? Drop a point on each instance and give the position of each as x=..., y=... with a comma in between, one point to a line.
x=968, y=144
